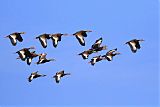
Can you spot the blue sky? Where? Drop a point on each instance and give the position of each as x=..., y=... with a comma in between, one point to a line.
x=129, y=80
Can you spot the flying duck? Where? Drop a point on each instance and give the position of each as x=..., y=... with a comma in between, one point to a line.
x=59, y=75
x=109, y=55
x=85, y=54
x=24, y=53
x=43, y=39
x=35, y=75
x=14, y=37
x=56, y=38
x=97, y=43
x=43, y=59
x=80, y=36
x=134, y=44
x=30, y=57
x=96, y=59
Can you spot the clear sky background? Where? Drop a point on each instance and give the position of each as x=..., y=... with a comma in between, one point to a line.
x=129, y=80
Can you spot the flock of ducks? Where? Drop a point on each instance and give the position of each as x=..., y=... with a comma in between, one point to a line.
x=26, y=55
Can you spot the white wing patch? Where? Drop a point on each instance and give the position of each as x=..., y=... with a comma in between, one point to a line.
x=85, y=55
x=81, y=38
x=58, y=77
x=133, y=46
x=22, y=54
x=99, y=42
x=29, y=60
x=13, y=39
x=55, y=40
x=41, y=60
x=94, y=60
x=32, y=76
x=109, y=57
x=44, y=41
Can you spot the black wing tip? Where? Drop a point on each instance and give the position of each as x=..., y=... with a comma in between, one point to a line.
x=57, y=82
x=92, y=64
x=100, y=38
x=29, y=64
x=44, y=46
x=82, y=44
x=29, y=80
x=14, y=44
x=84, y=57
x=134, y=51
x=55, y=46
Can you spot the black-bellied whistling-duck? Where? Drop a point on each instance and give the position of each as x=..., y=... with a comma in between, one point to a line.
x=97, y=43
x=14, y=37
x=96, y=59
x=85, y=54
x=56, y=38
x=109, y=55
x=30, y=57
x=59, y=75
x=134, y=44
x=24, y=53
x=43, y=59
x=35, y=75
x=80, y=36
x=43, y=39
